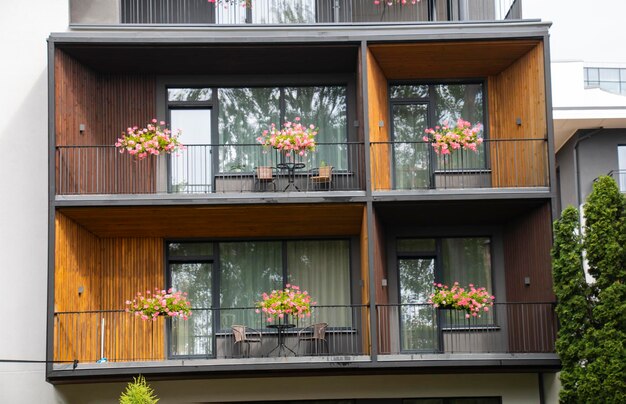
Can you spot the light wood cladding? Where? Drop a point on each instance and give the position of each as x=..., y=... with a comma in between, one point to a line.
x=448, y=60
x=519, y=93
x=301, y=220
x=95, y=274
x=378, y=110
x=382, y=292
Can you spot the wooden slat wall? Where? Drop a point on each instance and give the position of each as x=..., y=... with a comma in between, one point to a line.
x=378, y=109
x=519, y=92
x=106, y=105
x=365, y=289
x=110, y=271
x=527, y=243
x=382, y=292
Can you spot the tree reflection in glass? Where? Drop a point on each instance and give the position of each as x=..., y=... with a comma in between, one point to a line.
x=410, y=154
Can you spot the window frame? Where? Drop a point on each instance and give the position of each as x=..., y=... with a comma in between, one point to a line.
x=430, y=101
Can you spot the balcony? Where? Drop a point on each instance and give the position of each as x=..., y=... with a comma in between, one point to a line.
x=109, y=340
x=89, y=170
x=264, y=12
x=498, y=163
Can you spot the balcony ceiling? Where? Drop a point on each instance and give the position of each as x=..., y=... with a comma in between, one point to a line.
x=441, y=60
x=300, y=220
x=198, y=59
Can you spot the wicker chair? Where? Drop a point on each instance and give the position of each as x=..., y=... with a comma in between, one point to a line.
x=264, y=175
x=321, y=176
x=245, y=336
x=315, y=335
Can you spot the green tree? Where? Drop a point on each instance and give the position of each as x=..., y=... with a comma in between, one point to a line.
x=138, y=392
x=592, y=338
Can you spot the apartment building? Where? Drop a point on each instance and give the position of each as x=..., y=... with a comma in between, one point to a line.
x=366, y=223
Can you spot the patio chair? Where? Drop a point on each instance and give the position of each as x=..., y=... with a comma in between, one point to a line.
x=264, y=175
x=320, y=176
x=315, y=336
x=246, y=336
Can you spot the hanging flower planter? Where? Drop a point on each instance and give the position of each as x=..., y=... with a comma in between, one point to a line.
x=159, y=303
x=284, y=303
x=154, y=139
x=448, y=138
x=472, y=300
x=293, y=137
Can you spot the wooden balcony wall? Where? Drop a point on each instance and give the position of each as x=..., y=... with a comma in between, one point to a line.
x=109, y=271
x=106, y=104
x=514, y=70
x=527, y=243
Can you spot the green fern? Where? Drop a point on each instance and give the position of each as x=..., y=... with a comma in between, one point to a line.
x=138, y=392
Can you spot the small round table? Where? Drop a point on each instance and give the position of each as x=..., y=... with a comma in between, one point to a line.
x=281, y=347
x=291, y=175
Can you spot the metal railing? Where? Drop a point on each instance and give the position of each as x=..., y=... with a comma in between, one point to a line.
x=201, y=169
x=620, y=177
x=117, y=336
x=115, y=12
x=498, y=163
x=506, y=328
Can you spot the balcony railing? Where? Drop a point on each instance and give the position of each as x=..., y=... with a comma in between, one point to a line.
x=409, y=329
x=499, y=163
x=620, y=177
x=204, y=169
x=116, y=12
x=103, y=336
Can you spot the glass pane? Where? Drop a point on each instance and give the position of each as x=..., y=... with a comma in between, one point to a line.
x=612, y=87
x=189, y=94
x=247, y=269
x=190, y=249
x=409, y=91
x=244, y=114
x=324, y=107
x=454, y=101
x=284, y=12
x=609, y=74
x=195, y=335
x=416, y=245
x=367, y=11
x=417, y=317
x=467, y=260
x=592, y=74
x=191, y=168
x=621, y=163
x=226, y=14
x=411, y=153
x=322, y=268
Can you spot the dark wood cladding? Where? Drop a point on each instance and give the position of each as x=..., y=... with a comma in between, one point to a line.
x=381, y=292
x=106, y=105
x=527, y=243
x=93, y=273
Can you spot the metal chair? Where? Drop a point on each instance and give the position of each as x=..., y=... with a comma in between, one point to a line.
x=246, y=335
x=320, y=176
x=264, y=175
x=315, y=335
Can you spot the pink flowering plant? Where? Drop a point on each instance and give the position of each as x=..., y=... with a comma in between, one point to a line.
x=289, y=301
x=392, y=2
x=150, y=305
x=227, y=3
x=292, y=137
x=154, y=139
x=473, y=300
x=448, y=138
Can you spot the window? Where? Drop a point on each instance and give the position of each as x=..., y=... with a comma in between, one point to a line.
x=246, y=112
x=421, y=263
x=621, y=164
x=612, y=80
x=416, y=107
x=225, y=280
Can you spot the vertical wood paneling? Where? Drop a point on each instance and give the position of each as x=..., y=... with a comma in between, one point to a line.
x=519, y=92
x=110, y=271
x=527, y=243
x=382, y=292
x=365, y=289
x=378, y=109
x=106, y=105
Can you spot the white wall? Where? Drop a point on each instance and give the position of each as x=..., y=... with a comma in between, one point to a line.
x=24, y=27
